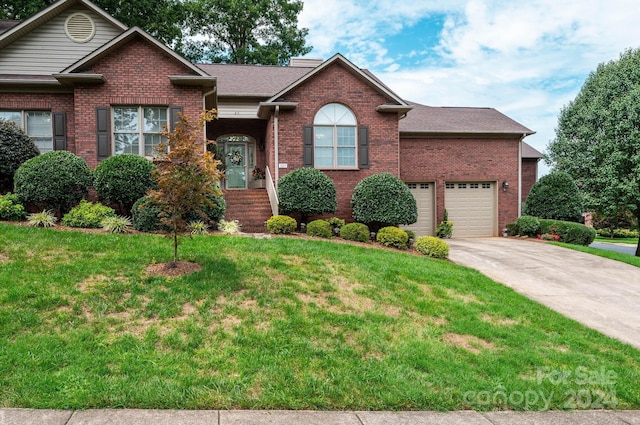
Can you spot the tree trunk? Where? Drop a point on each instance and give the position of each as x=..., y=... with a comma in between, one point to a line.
x=175, y=248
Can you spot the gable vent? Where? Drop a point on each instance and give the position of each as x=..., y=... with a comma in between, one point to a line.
x=79, y=27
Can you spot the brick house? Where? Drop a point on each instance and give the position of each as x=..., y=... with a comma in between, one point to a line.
x=77, y=79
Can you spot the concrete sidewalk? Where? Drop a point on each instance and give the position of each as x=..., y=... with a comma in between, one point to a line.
x=278, y=417
x=597, y=292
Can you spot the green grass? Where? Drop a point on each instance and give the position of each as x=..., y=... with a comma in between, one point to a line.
x=630, y=241
x=283, y=323
x=618, y=256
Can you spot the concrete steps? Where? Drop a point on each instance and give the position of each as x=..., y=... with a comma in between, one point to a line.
x=250, y=207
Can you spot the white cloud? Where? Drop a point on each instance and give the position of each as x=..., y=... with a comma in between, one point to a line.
x=526, y=59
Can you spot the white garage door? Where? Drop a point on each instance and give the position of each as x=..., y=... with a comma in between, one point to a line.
x=472, y=208
x=424, y=194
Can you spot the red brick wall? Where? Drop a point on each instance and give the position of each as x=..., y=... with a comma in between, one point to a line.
x=529, y=176
x=54, y=102
x=336, y=84
x=136, y=74
x=454, y=160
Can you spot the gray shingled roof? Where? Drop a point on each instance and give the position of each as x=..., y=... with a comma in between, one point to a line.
x=530, y=152
x=428, y=119
x=253, y=80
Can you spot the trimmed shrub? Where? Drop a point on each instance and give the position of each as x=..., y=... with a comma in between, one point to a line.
x=214, y=213
x=123, y=179
x=145, y=215
x=15, y=149
x=355, y=232
x=412, y=237
x=383, y=200
x=512, y=229
x=528, y=226
x=392, y=236
x=116, y=224
x=569, y=232
x=281, y=224
x=320, y=228
x=432, y=246
x=617, y=233
x=57, y=180
x=87, y=215
x=307, y=191
x=555, y=196
x=11, y=209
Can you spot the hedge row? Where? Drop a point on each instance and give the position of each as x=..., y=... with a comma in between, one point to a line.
x=568, y=232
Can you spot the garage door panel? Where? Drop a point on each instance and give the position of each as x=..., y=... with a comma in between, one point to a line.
x=472, y=208
x=424, y=193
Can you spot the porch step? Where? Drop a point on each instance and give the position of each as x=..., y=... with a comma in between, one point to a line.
x=250, y=207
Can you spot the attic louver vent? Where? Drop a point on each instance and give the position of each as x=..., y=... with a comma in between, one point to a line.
x=79, y=28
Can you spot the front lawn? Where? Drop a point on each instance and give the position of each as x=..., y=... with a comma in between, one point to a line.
x=630, y=241
x=283, y=323
x=612, y=255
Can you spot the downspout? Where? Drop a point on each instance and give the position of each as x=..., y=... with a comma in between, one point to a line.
x=276, y=159
x=520, y=175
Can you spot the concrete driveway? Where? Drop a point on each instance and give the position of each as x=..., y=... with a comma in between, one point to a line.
x=600, y=293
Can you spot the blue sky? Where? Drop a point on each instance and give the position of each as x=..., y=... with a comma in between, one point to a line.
x=525, y=58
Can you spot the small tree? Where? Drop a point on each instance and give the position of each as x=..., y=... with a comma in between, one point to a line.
x=15, y=149
x=307, y=191
x=187, y=176
x=383, y=200
x=556, y=197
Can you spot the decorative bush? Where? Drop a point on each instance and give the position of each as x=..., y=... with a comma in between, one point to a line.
x=281, y=224
x=87, y=215
x=320, y=228
x=145, y=215
x=11, y=209
x=445, y=228
x=123, y=179
x=214, y=213
x=617, y=233
x=569, y=232
x=336, y=223
x=383, y=200
x=308, y=191
x=46, y=218
x=199, y=227
x=229, y=227
x=15, y=149
x=512, y=229
x=55, y=180
x=392, y=236
x=555, y=196
x=432, y=247
x=355, y=232
x=528, y=226
x=116, y=224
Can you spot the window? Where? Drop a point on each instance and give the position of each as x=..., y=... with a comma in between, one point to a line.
x=334, y=137
x=473, y=185
x=450, y=186
x=136, y=129
x=37, y=125
x=486, y=185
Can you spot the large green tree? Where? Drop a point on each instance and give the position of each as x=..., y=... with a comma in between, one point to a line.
x=598, y=137
x=245, y=31
x=163, y=19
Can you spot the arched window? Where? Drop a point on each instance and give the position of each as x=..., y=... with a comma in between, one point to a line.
x=334, y=137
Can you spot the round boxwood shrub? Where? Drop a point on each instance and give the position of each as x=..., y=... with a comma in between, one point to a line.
x=432, y=247
x=56, y=180
x=281, y=224
x=320, y=228
x=123, y=179
x=15, y=149
x=528, y=225
x=383, y=200
x=569, y=232
x=355, y=232
x=555, y=196
x=87, y=215
x=144, y=213
x=11, y=209
x=392, y=236
x=307, y=191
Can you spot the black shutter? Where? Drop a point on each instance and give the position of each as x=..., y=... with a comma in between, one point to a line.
x=308, y=146
x=174, y=117
x=363, y=147
x=102, y=133
x=59, y=131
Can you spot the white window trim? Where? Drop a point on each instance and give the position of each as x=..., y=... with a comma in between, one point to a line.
x=23, y=122
x=335, y=146
x=141, y=132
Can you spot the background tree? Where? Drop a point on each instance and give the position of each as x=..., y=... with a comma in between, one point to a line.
x=307, y=191
x=187, y=177
x=556, y=197
x=598, y=137
x=245, y=31
x=163, y=19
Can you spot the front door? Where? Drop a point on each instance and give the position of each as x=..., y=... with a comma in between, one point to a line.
x=236, y=157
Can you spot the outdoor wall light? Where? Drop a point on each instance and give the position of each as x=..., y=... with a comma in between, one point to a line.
x=505, y=186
